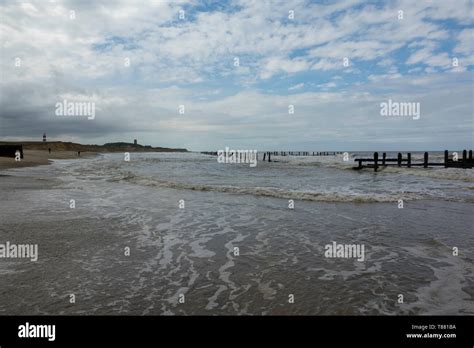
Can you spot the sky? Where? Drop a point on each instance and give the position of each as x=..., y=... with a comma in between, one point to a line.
x=236, y=68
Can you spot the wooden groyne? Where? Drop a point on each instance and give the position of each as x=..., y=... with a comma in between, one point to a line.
x=303, y=153
x=449, y=161
x=267, y=155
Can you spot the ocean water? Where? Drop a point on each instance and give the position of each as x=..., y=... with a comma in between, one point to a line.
x=189, y=253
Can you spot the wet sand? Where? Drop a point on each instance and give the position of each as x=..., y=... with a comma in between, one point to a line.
x=39, y=157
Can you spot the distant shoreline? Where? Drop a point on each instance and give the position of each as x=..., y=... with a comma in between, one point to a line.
x=33, y=158
x=70, y=146
x=37, y=153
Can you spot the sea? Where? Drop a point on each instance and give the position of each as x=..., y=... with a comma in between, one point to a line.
x=182, y=234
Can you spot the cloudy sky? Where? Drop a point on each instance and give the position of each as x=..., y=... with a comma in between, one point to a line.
x=236, y=66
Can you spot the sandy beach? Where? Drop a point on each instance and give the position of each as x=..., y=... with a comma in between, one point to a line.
x=39, y=157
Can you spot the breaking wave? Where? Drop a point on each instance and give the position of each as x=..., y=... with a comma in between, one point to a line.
x=354, y=197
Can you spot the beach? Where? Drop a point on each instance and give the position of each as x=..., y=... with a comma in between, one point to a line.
x=187, y=251
x=40, y=157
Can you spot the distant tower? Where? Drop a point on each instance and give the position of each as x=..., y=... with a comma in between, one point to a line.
x=44, y=137
x=135, y=142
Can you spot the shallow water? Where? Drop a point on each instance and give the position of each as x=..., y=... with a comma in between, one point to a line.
x=190, y=251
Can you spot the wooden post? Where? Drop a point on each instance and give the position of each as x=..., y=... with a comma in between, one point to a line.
x=269, y=159
x=384, y=156
x=464, y=158
x=360, y=164
x=446, y=158
x=376, y=158
x=470, y=155
x=425, y=160
x=264, y=155
x=409, y=160
x=399, y=159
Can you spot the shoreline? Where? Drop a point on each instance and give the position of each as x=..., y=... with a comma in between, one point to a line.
x=80, y=251
x=77, y=253
x=69, y=146
x=33, y=158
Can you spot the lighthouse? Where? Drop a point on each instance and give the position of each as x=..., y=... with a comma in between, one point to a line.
x=44, y=137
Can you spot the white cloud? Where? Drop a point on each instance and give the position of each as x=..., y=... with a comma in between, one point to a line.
x=327, y=85
x=278, y=64
x=295, y=87
x=172, y=61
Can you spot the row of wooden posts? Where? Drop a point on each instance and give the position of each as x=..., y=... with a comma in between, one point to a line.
x=302, y=153
x=267, y=155
x=449, y=162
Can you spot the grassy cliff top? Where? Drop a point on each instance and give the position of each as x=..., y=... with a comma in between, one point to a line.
x=69, y=146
